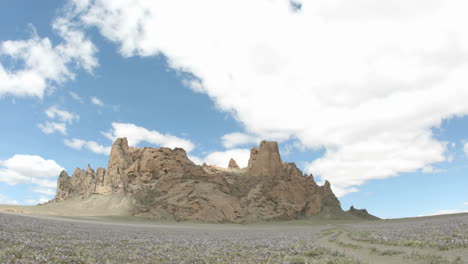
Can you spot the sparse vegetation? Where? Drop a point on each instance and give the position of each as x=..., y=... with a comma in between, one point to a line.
x=327, y=232
x=33, y=240
x=434, y=259
x=333, y=237
x=437, y=233
x=344, y=260
x=299, y=260
x=387, y=252
x=348, y=245
x=316, y=252
x=390, y=252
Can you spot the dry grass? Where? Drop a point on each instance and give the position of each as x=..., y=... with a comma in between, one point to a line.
x=442, y=233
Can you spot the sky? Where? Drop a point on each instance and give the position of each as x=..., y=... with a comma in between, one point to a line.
x=370, y=95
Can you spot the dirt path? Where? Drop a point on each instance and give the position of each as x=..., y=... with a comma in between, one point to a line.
x=386, y=254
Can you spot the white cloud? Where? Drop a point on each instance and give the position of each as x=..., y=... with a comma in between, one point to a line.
x=51, y=127
x=41, y=200
x=96, y=101
x=76, y=97
x=30, y=169
x=45, y=191
x=365, y=81
x=292, y=147
x=450, y=211
x=465, y=203
x=78, y=144
x=62, y=115
x=195, y=159
x=221, y=158
x=427, y=169
x=76, y=46
x=465, y=148
x=44, y=64
x=236, y=139
x=431, y=169
x=6, y=200
x=136, y=134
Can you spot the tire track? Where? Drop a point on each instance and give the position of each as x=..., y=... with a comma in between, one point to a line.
x=386, y=254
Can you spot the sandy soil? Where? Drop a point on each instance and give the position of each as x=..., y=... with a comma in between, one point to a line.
x=99, y=205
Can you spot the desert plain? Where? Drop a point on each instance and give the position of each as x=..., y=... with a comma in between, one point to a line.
x=31, y=234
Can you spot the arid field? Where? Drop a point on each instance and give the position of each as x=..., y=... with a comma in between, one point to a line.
x=53, y=239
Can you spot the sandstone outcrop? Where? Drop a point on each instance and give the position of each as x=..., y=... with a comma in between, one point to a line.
x=265, y=160
x=233, y=164
x=164, y=184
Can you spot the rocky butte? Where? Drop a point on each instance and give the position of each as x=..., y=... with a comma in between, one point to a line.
x=164, y=184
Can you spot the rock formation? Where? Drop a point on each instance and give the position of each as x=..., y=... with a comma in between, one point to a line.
x=233, y=164
x=166, y=185
x=361, y=213
x=265, y=160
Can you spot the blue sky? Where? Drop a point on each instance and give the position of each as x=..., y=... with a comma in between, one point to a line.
x=381, y=115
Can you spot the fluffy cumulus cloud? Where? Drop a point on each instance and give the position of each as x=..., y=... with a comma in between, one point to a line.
x=31, y=169
x=236, y=139
x=63, y=116
x=42, y=64
x=51, y=127
x=45, y=191
x=40, y=200
x=79, y=144
x=136, y=134
x=221, y=158
x=430, y=169
x=6, y=200
x=365, y=80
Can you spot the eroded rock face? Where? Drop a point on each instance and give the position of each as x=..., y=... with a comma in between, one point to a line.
x=166, y=185
x=265, y=160
x=233, y=164
x=82, y=183
x=119, y=160
x=64, y=188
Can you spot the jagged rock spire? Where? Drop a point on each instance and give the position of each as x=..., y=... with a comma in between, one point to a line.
x=233, y=164
x=265, y=160
x=119, y=160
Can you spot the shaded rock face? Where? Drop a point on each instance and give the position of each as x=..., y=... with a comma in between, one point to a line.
x=166, y=185
x=361, y=213
x=119, y=160
x=64, y=188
